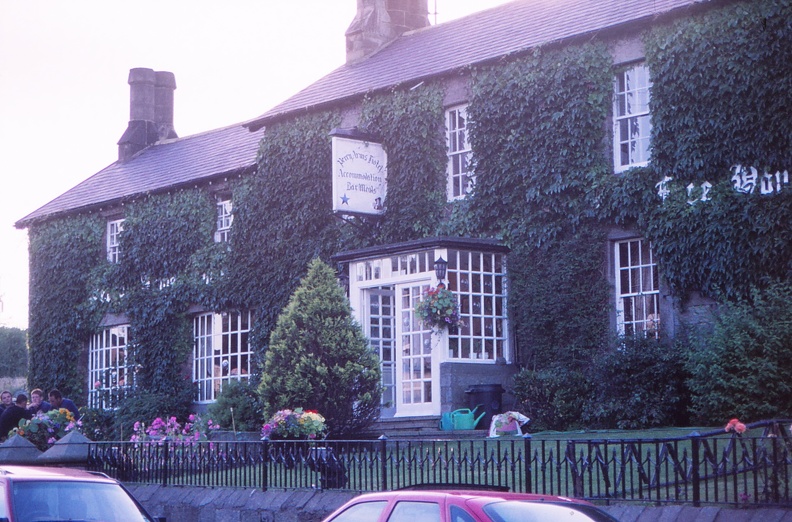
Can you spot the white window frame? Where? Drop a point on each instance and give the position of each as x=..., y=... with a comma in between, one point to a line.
x=225, y=218
x=114, y=229
x=460, y=176
x=479, y=281
x=632, y=123
x=109, y=371
x=380, y=320
x=222, y=351
x=637, y=288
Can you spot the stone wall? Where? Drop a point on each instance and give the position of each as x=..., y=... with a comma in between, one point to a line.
x=202, y=504
x=199, y=504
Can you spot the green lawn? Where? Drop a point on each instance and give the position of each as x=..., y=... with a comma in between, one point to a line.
x=655, y=433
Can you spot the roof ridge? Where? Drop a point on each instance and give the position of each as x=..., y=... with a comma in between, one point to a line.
x=433, y=51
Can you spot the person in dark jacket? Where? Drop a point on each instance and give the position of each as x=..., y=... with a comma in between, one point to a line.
x=13, y=414
x=37, y=402
x=57, y=400
x=6, y=399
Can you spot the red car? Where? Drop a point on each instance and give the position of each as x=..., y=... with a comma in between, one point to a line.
x=465, y=506
x=33, y=494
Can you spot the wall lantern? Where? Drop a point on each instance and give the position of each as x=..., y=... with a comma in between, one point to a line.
x=440, y=266
x=342, y=278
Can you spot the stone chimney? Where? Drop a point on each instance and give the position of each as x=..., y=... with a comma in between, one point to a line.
x=150, y=111
x=377, y=22
x=163, y=104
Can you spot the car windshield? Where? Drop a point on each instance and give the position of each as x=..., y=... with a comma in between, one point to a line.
x=45, y=501
x=520, y=511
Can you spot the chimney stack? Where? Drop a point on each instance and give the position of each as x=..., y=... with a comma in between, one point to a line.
x=150, y=111
x=377, y=22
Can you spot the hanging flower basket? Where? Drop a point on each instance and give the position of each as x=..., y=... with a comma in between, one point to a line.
x=438, y=308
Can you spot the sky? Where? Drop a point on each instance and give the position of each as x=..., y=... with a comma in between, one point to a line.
x=64, y=97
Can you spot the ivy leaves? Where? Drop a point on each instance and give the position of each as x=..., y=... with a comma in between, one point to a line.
x=721, y=89
x=63, y=254
x=162, y=234
x=536, y=132
x=721, y=83
x=282, y=218
x=411, y=126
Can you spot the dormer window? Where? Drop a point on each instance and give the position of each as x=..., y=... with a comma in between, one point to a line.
x=460, y=175
x=631, y=118
x=114, y=229
x=225, y=218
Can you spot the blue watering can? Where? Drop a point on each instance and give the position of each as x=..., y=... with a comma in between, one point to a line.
x=446, y=422
x=466, y=419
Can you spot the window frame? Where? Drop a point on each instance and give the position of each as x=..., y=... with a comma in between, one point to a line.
x=224, y=220
x=642, y=317
x=109, y=366
x=460, y=177
x=627, y=112
x=479, y=281
x=113, y=244
x=220, y=338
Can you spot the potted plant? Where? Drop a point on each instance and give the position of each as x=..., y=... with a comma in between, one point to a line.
x=295, y=424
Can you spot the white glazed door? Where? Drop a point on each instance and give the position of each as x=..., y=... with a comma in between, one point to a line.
x=382, y=336
x=417, y=391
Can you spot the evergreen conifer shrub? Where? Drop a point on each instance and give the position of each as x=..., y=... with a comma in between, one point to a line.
x=319, y=359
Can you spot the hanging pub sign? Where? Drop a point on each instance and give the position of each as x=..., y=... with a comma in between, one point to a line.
x=359, y=173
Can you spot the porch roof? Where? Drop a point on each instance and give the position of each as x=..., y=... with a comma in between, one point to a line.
x=459, y=243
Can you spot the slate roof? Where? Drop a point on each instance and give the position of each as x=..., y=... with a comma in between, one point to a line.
x=481, y=37
x=167, y=164
x=505, y=30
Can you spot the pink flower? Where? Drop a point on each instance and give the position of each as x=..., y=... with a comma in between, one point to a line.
x=98, y=384
x=736, y=426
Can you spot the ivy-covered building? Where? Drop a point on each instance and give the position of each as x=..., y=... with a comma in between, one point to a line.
x=586, y=168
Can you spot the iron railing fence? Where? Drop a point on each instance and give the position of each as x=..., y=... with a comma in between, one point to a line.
x=709, y=468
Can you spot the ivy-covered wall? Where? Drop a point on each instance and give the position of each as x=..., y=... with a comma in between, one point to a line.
x=282, y=220
x=540, y=132
x=156, y=283
x=410, y=124
x=720, y=98
x=63, y=254
x=537, y=134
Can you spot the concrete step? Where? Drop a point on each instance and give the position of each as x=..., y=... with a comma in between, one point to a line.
x=418, y=428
